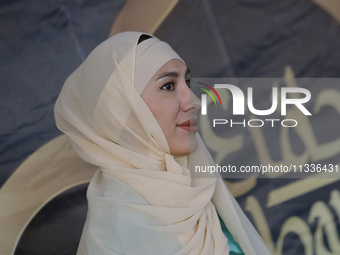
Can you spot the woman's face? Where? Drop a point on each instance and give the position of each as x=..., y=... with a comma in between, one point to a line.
x=174, y=106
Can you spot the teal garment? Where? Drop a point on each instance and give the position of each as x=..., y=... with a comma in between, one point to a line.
x=235, y=248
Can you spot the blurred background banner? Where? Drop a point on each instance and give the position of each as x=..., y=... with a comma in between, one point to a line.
x=43, y=183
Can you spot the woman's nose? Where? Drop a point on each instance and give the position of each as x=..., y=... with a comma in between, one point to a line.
x=194, y=102
x=190, y=101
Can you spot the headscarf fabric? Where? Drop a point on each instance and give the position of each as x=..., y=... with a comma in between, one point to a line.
x=142, y=199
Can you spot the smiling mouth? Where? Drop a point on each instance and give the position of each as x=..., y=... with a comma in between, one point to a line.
x=189, y=125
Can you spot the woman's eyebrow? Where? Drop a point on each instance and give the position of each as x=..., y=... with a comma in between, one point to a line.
x=167, y=74
x=172, y=74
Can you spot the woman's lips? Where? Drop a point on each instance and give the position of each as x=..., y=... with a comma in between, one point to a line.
x=189, y=125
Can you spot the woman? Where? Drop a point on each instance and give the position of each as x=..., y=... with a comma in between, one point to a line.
x=127, y=110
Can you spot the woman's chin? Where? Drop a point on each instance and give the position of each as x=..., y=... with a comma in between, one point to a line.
x=193, y=144
x=188, y=147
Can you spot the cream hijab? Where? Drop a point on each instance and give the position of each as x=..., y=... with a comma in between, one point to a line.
x=142, y=199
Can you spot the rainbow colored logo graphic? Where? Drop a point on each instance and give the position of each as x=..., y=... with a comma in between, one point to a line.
x=204, y=97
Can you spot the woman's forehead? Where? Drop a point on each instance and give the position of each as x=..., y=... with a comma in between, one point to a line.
x=173, y=68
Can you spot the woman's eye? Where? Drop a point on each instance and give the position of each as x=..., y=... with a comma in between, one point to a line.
x=188, y=82
x=168, y=86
